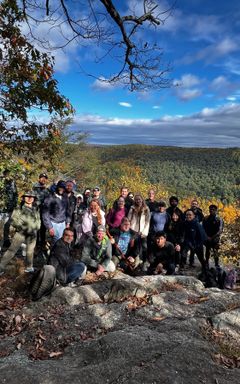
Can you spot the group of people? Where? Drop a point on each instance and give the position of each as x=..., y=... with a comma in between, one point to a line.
x=136, y=235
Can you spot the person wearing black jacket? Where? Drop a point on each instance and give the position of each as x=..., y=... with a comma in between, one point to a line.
x=175, y=234
x=173, y=207
x=194, y=238
x=151, y=202
x=213, y=226
x=68, y=270
x=72, y=199
x=162, y=256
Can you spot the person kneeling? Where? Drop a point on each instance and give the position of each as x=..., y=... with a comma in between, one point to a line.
x=162, y=256
x=125, y=247
x=68, y=271
x=97, y=253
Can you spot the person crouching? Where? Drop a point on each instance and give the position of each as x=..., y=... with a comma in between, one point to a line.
x=162, y=256
x=97, y=253
x=68, y=270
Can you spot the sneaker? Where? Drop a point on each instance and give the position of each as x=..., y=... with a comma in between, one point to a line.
x=29, y=270
x=72, y=284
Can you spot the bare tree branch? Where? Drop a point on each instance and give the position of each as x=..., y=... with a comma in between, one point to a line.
x=99, y=21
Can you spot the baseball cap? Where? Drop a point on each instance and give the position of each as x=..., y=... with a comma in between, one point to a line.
x=101, y=228
x=43, y=175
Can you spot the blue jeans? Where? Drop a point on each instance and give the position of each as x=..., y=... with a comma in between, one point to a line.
x=58, y=231
x=76, y=271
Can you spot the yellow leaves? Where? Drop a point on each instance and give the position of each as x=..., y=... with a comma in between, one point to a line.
x=230, y=213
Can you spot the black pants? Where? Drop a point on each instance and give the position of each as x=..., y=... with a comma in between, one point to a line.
x=214, y=246
x=198, y=251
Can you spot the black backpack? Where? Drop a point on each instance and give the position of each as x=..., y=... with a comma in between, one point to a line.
x=213, y=277
x=43, y=282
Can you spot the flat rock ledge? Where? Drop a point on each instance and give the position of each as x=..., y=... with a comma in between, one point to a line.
x=151, y=329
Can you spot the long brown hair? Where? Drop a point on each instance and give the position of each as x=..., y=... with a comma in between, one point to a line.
x=99, y=217
x=143, y=206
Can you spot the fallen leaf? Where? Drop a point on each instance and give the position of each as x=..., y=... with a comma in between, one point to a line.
x=159, y=318
x=18, y=319
x=55, y=354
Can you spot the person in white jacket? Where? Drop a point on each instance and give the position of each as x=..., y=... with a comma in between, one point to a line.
x=92, y=218
x=139, y=216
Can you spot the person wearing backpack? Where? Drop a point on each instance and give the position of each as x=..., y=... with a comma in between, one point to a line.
x=213, y=226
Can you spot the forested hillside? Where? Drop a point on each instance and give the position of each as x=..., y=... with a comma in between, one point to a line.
x=185, y=171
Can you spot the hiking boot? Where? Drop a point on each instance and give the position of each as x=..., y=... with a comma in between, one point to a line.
x=29, y=270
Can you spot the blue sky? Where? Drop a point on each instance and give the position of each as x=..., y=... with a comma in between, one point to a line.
x=201, y=40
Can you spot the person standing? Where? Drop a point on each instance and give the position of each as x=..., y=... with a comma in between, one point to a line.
x=151, y=202
x=56, y=215
x=115, y=215
x=26, y=222
x=72, y=199
x=8, y=202
x=42, y=192
x=194, y=239
x=139, y=217
x=213, y=226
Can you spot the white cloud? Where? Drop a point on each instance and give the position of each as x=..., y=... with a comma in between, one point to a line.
x=102, y=84
x=187, y=81
x=219, y=82
x=189, y=94
x=124, y=104
x=210, y=127
x=212, y=52
x=202, y=27
x=156, y=107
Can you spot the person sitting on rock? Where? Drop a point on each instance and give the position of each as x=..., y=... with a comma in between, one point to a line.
x=125, y=248
x=162, y=256
x=97, y=253
x=68, y=270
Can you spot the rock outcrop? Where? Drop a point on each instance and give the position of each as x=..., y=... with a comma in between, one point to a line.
x=154, y=329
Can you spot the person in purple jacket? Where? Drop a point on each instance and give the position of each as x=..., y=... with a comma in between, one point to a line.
x=115, y=215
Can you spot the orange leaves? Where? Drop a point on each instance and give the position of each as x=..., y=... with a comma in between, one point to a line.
x=136, y=302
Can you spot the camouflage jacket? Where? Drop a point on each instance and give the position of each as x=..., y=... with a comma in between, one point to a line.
x=26, y=220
